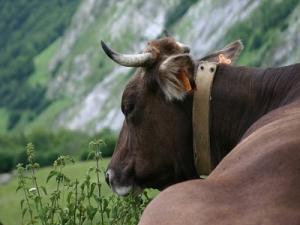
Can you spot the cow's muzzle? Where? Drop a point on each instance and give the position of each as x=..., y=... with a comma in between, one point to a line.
x=124, y=188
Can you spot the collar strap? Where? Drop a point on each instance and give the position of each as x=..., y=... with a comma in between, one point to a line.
x=201, y=117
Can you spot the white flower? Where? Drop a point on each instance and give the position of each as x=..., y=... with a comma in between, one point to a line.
x=32, y=190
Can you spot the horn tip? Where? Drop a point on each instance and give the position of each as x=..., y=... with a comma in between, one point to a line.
x=103, y=45
x=106, y=49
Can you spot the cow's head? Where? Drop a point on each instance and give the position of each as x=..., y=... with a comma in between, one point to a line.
x=155, y=145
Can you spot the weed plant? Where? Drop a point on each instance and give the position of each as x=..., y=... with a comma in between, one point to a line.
x=74, y=202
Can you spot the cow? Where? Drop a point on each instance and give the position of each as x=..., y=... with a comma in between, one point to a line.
x=155, y=145
x=254, y=139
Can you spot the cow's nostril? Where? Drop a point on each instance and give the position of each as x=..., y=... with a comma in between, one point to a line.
x=108, y=176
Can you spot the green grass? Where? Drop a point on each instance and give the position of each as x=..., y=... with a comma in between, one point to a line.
x=10, y=213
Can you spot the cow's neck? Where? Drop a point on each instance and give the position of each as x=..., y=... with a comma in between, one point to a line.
x=239, y=97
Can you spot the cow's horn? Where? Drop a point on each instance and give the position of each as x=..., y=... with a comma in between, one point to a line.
x=185, y=48
x=136, y=60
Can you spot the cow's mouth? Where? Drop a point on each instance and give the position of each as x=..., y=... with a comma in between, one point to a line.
x=125, y=190
x=136, y=184
x=136, y=189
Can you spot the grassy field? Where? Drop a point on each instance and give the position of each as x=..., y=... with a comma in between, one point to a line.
x=10, y=213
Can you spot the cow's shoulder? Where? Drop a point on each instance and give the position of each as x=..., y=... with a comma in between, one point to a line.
x=268, y=153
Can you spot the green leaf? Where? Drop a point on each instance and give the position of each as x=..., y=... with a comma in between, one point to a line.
x=36, y=165
x=91, y=212
x=107, y=211
x=91, y=169
x=90, y=155
x=51, y=174
x=37, y=199
x=93, y=185
x=24, y=212
x=44, y=190
x=69, y=197
x=66, y=179
x=18, y=188
x=22, y=203
x=82, y=186
x=72, y=160
x=105, y=204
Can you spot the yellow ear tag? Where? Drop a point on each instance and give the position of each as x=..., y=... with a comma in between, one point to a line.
x=224, y=60
x=185, y=81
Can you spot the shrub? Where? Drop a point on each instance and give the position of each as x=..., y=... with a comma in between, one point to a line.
x=109, y=139
x=50, y=144
x=43, y=159
x=46, y=159
x=84, y=156
x=6, y=162
x=106, y=150
x=21, y=158
x=83, y=201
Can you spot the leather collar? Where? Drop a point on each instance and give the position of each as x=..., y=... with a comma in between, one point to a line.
x=201, y=117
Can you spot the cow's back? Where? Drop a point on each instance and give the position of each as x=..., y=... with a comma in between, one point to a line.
x=257, y=183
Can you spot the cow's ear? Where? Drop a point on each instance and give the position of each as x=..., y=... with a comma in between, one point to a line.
x=227, y=55
x=176, y=76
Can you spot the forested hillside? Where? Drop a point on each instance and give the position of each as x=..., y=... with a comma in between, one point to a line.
x=263, y=30
x=27, y=28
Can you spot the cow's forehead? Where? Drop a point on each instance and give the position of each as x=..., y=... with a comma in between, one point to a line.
x=166, y=46
x=135, y=84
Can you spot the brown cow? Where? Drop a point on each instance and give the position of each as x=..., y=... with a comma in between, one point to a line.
x=254, y=112
x=155, y=146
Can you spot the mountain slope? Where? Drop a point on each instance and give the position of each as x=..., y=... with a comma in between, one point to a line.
x=26, y=28
x=85, y=86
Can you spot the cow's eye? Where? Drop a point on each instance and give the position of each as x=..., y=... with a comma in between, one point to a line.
x=128, y=108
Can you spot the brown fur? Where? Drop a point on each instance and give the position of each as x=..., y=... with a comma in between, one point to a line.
x=255, y=138
x=258, y=182
x=154, y=130
x=244, y=95
x=155, y=144
x=256, y=113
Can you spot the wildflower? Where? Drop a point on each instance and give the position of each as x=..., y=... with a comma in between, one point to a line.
x=32, y=190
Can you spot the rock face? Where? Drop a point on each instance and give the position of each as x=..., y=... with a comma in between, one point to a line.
x=95, y=88
x=206, y=23
x=93, y=84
